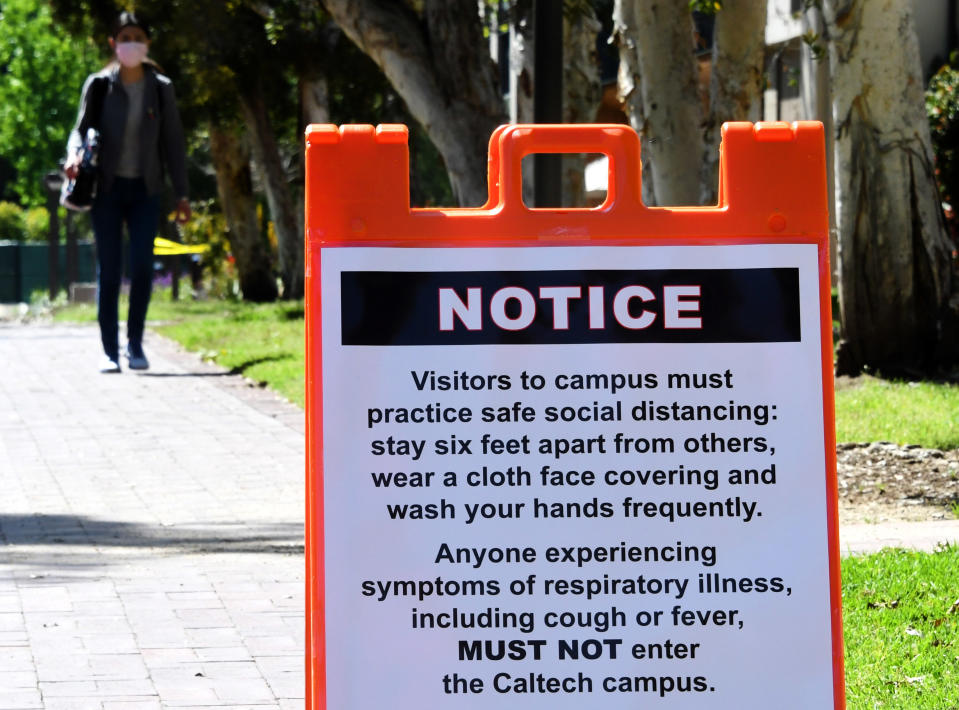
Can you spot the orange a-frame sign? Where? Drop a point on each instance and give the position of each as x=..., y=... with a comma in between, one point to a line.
x=567, y=458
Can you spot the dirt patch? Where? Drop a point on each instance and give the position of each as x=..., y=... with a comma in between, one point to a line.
x=881, y=482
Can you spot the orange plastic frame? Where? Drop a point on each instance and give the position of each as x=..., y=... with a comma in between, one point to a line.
x=772, y=190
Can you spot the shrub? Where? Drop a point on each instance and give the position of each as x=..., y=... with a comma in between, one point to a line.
x=36, y=224
x=11, y=222
x=208, y=226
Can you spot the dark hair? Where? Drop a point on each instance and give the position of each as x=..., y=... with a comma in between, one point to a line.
x=130, y=19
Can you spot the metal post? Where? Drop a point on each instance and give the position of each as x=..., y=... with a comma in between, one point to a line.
x=53, y=181
x=72, y=256
x=548, y=96
x=502, y=44
x=173, y=234
x=175, y=283
x=18, y=274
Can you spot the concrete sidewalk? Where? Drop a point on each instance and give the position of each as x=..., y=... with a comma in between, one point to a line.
x=925, y=535
x=152, y=530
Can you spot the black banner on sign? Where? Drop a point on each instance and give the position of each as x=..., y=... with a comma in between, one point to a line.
x=556, y=307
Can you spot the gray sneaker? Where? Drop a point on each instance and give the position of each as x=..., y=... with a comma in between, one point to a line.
x=136, y=360
x=109, y=365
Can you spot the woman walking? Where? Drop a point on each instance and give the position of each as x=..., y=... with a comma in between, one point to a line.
x=133, y=107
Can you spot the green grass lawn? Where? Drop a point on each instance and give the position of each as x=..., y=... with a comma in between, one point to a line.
x=901, y=619
x=925, y=413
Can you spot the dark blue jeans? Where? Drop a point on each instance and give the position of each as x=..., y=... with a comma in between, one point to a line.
x=126, y=202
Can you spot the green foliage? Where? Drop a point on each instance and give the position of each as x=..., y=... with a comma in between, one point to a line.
x=942, y=107
x=36, y=224
x=901, y=619
x=924, y=413
x=429, y=181
x=40, y=303
x=41, y=72
x=208, y=226
x=816, y=45
x=33, y=224
x=707, y=7
x=11, y=222
x=264, y=342
x=363, y=95
x=267, y=47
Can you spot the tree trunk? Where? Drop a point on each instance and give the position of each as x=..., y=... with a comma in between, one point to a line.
x=440, y=64
x=522, y=78
x=894, y=256
x=231, y=159
x=315, y=99
x=736, y=82
x=289, y=236
x=815, y=92
x=629, y=83
x=659, y=49
x=580, y=93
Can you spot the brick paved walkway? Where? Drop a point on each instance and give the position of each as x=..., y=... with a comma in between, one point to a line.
x=151, y=528
x=152, y=532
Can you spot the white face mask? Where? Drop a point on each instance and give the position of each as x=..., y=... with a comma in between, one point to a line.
x=131, y=54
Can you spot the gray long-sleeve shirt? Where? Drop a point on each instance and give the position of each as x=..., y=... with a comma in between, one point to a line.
x=161, y=142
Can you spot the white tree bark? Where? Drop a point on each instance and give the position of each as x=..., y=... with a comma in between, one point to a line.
x=895, y=277
x=315, y=99
x=522, y=71
x=815, y=93
x=440, y=65
x=522, y=78
x=580, y=93
x=629, y=84
x=662, y=33
x=736, y=81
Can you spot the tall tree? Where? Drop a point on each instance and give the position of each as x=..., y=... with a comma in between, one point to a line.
x=210, y=72
x=286, y=219
x=304, y=37
x=896, y=278
x=656, y=53
x=254, y=71
x=222, y=76
x=41, y=71
x=629, y=82
x=737, y=78
x=439, y=63
x=680, y=126
x=581, y=90
x=231, y=158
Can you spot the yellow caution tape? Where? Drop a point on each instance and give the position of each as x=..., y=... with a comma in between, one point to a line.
x=167, y=247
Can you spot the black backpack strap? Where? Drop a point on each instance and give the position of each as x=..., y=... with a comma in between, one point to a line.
x=98, y=95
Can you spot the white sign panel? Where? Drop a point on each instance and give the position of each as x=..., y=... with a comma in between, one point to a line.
x=574, y=477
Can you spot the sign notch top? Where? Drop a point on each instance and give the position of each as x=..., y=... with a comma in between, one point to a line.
x=772, y=180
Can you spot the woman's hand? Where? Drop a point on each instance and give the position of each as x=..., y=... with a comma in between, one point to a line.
x=183, y=211
x=72, y=167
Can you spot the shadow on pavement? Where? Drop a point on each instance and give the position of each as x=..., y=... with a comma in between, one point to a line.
x=238, y=370
x=150, y=373
x=83, y=531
